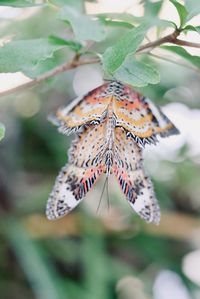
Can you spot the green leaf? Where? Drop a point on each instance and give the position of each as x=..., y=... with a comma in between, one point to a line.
x=19, y=3
x=192, y=28
x=195, y=60
x=75, y=46
x=182, y=12
x=137, y=73
x=59, y=58
x=193, y=8
x=115, y=23
x=114, y=56
x=152, y=9
x=84, y=27
x=125, y=17
x=25, y=55
x=2, y=131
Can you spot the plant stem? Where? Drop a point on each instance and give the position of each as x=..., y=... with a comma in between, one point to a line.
x=187, y=44
x=171, y=38
x=60, y=69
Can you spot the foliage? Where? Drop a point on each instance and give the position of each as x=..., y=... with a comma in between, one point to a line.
x=84, y=27
x=115, y=55
x=26, y=55
x=2, y=131
x=136, y=73
x=29, y=54
x=193, y=59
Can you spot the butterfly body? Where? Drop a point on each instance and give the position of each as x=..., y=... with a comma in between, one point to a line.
x=112, y=123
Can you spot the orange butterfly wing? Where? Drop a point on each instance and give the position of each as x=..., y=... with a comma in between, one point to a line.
x=90, y=109
x=70, y=188
x=136, y=121
x=140, y=117
x=84, y=167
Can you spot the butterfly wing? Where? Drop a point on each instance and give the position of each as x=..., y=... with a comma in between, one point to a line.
x=70, y=188
x=134, y=183
x=141, y=118
x=90, y=109
x=79, y=176
x=88, y=148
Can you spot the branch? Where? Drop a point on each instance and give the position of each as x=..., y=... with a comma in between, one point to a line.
x=60, y=69
x=186, y=43
x=171, y=38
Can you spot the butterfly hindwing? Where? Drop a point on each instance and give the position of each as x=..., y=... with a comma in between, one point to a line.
x=84, y=167
x=138, y=190
x=130, y=174
x=88, y=148
x=70, y=187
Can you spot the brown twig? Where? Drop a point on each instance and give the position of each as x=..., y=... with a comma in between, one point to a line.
x=186, y=43
x=171, y=38
x=59, y=69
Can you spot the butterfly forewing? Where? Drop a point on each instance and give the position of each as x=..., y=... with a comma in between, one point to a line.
x=140, y=117
x=89, y=109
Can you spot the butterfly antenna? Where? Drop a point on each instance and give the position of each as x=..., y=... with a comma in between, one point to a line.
x=107, y=193
x=104, y=186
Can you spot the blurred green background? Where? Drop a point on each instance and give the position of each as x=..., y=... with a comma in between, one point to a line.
x=112, y=253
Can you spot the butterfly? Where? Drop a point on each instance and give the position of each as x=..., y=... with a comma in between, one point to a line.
x=113, y=123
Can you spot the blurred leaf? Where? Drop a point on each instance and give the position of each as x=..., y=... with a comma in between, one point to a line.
x=193, y=8
x=136, y=73
x=21, y=28
x=115, y=23
x=182, y=12
x=113, y=34
x=125, y=17
x=25, y=55
x=114, y=56
x=2, y=131
x=84, y=27
x=95, y=265
x=152, y=9
x=78, y=4
x=195, y=60
x=19, y=3
x=63, y=42
x=192, y=28
x=164, y=23
x=42, y=277
x=47, y=65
